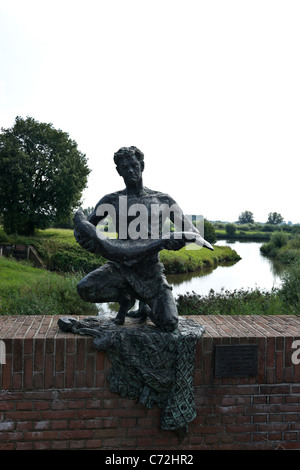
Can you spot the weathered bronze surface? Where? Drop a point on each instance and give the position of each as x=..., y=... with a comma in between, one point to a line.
x=152, y=351
x=133, y=271
x=148, y=365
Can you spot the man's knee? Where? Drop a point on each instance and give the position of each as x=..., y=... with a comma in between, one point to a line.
x=164, y=311
x=83, y=290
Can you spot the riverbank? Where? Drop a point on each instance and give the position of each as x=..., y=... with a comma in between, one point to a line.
x=283, y=247
x=27, y=290
x=60, y=252
x=190, y=260
x=242, y=235
x=281, y=301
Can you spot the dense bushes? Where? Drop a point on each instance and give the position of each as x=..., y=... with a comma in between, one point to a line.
x=290, y=291
x=284, y=247
x=237, y=302
x=68, y=258
x=230, y=230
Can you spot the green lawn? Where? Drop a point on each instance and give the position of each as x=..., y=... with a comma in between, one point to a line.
x=187, y=259
x=25, y=290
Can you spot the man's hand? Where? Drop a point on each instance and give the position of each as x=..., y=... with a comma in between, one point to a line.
x=84, y=241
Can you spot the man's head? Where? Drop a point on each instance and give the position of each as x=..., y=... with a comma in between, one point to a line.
x=130, y=164
x=125, y=152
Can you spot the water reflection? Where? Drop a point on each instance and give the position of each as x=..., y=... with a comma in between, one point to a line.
x=253, y=270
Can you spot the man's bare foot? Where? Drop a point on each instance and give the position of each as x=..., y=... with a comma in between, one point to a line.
x=119, y=320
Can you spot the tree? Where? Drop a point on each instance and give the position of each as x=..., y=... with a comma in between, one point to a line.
x=42, y=175
x=209, y=232
x=230, y=230
x=246, y=218
x=274, y=218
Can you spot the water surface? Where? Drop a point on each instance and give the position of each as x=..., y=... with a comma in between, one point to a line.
x=253, y=270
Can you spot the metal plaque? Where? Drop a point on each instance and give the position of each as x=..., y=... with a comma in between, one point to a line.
x=236, y=360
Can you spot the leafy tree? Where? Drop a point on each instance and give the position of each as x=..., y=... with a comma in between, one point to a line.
x=274, y=218
x=87, y=211
x=209, y=232
x=230, y=230
x=42, y=175
x=246, y=218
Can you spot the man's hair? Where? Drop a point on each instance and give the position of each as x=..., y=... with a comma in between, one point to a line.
x=125, y=152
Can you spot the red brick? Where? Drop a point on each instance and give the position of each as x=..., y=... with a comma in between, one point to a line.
x=7, y=373
x=271, y=352
x=39, y=345
x=76, y=434
x=24, y=445
x=48, y=371
x=18, y=355
x=70, y=371
x=24, y=405
x=60, y=424
x=60, y=445
x=7, y=446
x=290, y=436
x=38, y=380
x=90, y=371
x=28, y=372
x=42, y=445
x=80, y=354
x=60, y=355
x=17, y=381
x=94, y=444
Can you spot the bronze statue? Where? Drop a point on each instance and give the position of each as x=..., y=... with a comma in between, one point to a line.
x=133, y=271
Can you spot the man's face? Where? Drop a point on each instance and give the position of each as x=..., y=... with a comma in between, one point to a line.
x=130, y=169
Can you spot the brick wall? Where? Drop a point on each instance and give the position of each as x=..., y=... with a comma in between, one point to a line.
x=54, y=393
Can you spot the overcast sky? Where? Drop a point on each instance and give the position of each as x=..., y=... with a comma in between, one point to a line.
x=208, y=90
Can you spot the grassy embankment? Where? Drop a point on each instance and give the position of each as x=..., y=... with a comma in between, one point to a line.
x=242, y=235
x=27, y=290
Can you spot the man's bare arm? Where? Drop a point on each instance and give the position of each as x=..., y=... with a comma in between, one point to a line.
x=180, y=221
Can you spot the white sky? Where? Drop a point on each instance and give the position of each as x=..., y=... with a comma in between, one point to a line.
x=208, y=90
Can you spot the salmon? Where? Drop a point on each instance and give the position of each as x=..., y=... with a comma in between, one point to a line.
x=87, y=235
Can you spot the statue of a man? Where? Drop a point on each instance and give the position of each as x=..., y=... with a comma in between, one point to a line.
x=141, y=278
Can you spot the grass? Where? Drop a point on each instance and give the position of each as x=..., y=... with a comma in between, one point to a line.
x=253, y=235
x=284, y=247
x=189, y=260
x=237, y=302
x=60, y=252
x=25, y=290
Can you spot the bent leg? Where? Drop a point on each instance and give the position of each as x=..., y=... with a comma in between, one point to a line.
x=102, y=285
x=106, y=284
x=163, y=310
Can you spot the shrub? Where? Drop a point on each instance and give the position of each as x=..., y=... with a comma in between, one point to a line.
x=290, y=290
x=237, y=302
x=295, y=242
x=279, y=239
x=230, y=230
x=209, y=232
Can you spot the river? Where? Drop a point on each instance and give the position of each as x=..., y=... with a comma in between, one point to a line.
x=253, y=270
